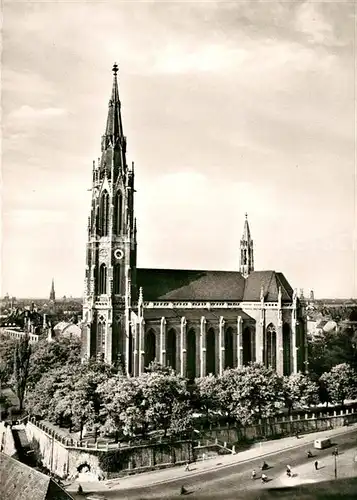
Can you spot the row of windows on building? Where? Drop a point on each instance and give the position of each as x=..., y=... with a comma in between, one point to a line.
x=212, y=348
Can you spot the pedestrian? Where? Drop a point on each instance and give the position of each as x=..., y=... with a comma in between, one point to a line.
x=187, y=466
x=335, y=451
x=254, y=474
x=316, y=465
x=264, y=478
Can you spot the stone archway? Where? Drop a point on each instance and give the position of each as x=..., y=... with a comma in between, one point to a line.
x=191, y=354
x=210, y=352
x=228, y=348
x=83, y=468
x=150, y=347
x=271, y=346
x=171, y=348
x=286, y=349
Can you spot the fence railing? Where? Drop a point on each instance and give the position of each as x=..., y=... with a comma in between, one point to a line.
x=86, y=444
x=202, y=439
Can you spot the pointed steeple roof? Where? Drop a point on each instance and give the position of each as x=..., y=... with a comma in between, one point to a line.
x=52, y=293
x=246, y=231
x=114, y=124
x=246, y=250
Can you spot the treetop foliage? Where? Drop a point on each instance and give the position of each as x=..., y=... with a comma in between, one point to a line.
x=74, y=394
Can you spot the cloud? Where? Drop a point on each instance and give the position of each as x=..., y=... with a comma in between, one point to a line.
x=243, y=106
x=29, y=113
x=180, y=59
x=311, y=22
x=34, y=217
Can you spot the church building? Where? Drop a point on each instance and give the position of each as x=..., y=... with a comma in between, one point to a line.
x=197, y=322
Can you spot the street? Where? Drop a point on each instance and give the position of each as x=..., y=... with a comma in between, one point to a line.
x=236, y=478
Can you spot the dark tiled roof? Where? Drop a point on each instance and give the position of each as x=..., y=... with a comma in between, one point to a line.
x=270, y=281
x=177, y=284
x=181, y=285
x=20, y=482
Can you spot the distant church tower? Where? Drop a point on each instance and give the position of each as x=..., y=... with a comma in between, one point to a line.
x=246, y=250
x=111, y=247
x=52, y=292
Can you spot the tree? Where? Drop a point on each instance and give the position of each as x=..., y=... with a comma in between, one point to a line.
x=7, y=349
x=22, y=355
x=299, y=391
x=121, y=408
x=257, y=393
x=156, y=400
x=55, y=354
x=227, y=385
x=208, y=394
x=331, y=349
x=68, y=395
x=44, y=398
x=166, y=402
x=155, y=366
x=82, y=403
x=340, y=383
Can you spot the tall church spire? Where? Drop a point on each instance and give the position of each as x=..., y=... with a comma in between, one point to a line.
x=111, y=246
x=52, y=292
x=246, y=250
x=114, y=128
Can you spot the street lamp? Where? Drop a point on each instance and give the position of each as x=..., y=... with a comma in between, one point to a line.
x=335, y=453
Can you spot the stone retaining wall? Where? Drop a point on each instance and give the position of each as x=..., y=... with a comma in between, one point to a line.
x=274, y=428
x=64, y=460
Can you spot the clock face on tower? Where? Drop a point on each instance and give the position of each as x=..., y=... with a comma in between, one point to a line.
x=118, y=254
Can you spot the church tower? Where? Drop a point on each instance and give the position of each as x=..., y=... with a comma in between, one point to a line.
x=246, y=251
x=52, y=292
x=111, y=247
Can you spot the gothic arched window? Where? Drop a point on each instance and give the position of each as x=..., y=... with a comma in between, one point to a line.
x=118, y=208
x=104, y=213
x=103, y=279
x=101, y=337
x=271, y=346
x=116, y=278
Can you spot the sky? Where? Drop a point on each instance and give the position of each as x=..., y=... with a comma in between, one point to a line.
x=228, y=107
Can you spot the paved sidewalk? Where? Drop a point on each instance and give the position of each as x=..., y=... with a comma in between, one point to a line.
x=173, y=473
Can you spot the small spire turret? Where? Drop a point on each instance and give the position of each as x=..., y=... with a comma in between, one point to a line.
x=246, y=250
x=52, y=292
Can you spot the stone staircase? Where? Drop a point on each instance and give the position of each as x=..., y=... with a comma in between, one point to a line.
x=208, y=447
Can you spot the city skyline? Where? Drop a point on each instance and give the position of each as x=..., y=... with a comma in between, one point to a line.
x=227, y=109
